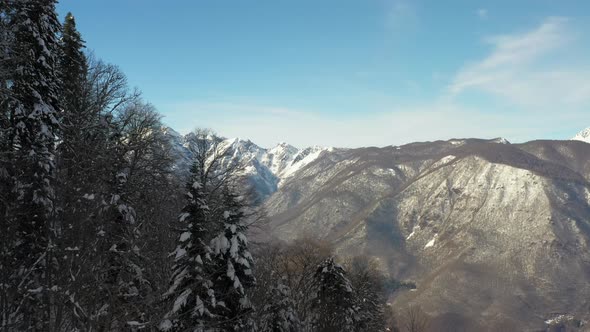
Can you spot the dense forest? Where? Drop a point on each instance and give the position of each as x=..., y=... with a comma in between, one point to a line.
x=99, y=232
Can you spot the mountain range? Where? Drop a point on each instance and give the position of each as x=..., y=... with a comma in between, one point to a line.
x=496, y=236
x=265, y=169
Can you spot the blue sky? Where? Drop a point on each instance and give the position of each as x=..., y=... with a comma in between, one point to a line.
x=352, y=73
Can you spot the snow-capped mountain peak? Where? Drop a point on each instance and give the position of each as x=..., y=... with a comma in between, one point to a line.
x=500, y=140
x=266, y=169
x=283, y=145
x=583, y=136
x=279, y=157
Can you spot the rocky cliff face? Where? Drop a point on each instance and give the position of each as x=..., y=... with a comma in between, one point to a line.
x=495, y=235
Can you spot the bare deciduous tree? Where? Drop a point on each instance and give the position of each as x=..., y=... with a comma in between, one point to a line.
x=368, y=283
x=414, y=319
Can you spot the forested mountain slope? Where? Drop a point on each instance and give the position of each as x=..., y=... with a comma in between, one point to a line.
x=494, y=234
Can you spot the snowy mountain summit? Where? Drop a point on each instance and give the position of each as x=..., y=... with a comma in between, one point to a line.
x=266, y=169
x=284, y=160
x=583, y=136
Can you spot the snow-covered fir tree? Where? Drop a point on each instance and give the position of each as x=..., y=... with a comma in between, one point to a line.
x=191, y=291
x=33, y=114
x=234, y=267
x=74, y=170
x=73, y=70
x=279, y=314
x=78, y=121
x=334, y=305
x=6, y=194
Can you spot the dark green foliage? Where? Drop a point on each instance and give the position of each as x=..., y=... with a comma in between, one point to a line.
x=191, y=293
x=73, y=68
x=32, y=114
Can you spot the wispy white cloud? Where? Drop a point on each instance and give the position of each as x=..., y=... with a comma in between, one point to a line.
x=482, y=13
x=521, y=69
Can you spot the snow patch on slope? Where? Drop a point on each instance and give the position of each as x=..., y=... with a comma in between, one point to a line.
x=302, y=159
x=559, y=319
x=414, y=230
x=457, y=142
x=431, y=242
x=443, y=161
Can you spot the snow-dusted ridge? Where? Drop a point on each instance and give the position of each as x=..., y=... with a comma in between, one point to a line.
x=282, y=160
x=267, y=169
x=500, y=140
x=583, y=136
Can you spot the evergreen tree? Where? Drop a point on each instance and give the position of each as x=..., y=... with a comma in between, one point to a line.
x=191, y=289
x=279, y=315
x=73, y=68
x=33, y=115
x=6, y=181
x=75, y=173
x=234, y=273
x=78, y=122
x=334, y=306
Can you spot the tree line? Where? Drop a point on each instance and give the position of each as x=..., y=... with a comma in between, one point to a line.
x=100, y=232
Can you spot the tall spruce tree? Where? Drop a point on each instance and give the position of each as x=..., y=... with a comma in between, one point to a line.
x=34, y=125
x=234, y=266
x=73, y=68
x=334, y=305
x=78, y=122
x=74, y=169
x=191, y=293
x=6, y=194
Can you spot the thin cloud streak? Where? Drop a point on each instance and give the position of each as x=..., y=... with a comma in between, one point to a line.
x=516, y=70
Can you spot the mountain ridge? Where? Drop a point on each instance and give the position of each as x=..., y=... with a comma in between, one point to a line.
x=265, y=169
x=453, y=216
x=495, y=235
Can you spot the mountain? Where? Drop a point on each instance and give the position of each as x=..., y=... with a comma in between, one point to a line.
x=265, y=169
x=495, y=235
x=583, y=136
